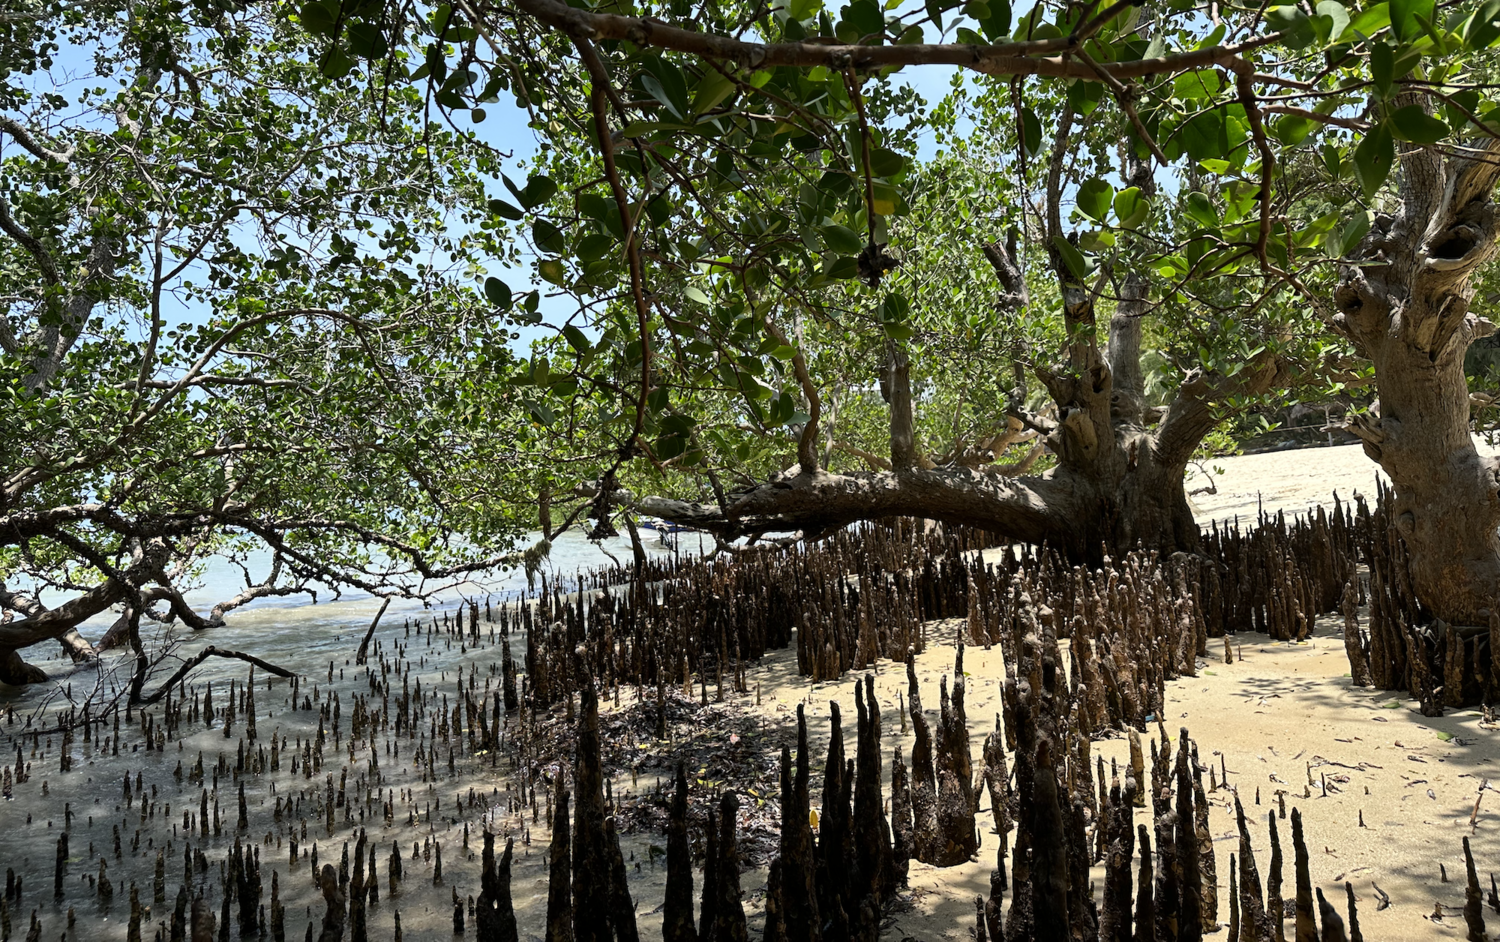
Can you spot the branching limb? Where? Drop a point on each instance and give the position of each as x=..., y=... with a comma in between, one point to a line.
x=45, y=264
x=1192, y=413
x=204, y=655
x=1125, y=97
x=1245, y=86
x=599, y=80
x=1027, y=509
x=875, y=462
x=55, y=622
x=1006, y=264
x=807, y=442
x=1030, y=57
x=896, y=386
x=29, y=142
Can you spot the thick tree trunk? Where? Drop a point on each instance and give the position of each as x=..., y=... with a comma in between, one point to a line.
x=1118, y=483
x=1406, y=306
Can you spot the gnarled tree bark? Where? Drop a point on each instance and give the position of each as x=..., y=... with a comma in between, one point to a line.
x=1404, y=302
x=1118, y=483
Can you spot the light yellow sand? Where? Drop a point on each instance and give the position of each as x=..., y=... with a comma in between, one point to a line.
x=1278, y=715
x=1282, y=716
x=1281, y=710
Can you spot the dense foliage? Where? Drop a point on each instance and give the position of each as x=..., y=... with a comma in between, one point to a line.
x=238, y=320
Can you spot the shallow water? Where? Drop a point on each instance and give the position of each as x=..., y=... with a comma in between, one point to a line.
x=415, y=648
x=303, y=635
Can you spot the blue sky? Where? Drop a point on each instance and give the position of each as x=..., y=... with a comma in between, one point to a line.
x=505, y=128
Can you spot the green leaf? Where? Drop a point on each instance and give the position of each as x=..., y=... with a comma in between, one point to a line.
x=1414, y=124
x=669, y=446
x=935, y=10
x=547, y=237
x=318, y=18
x=576, y=339
x=656, y=85
x=542, y=413
x=554, y=271
x=1031, y=132
x=336, y=64
x=1131, y=208
x=1373, y=159
x=894, y=309
x=539, y=189
x=842, y=240
x=1201, y=208
x=366, y=40
x=1371, y=20
x=804, y=9
x=1483, y=27
x=996, y=24
x=502, y=208
x=1338, y=17
x=603, y=210
x=1201, y=136
x=885, y=162
x=866, y=17
x=498, y=293
x=1071, y=257
x=1353, y=232
x=592, y=247
x=1096, y=241
x=714, y=87
x=1404, y=17
x=782, y=408
x=1382, y=68
x=1095, y=197
x=1204, y=83
x=1293, y=129
x=695, y=293
x=1294, y=23
x=842, y=268
x=1085, y=96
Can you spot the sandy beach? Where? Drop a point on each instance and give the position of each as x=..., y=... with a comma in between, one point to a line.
x=1283, y=721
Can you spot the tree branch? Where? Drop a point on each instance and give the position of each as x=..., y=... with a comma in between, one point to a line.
x=807, y=442
x=30, y=243
x=28, y=141
x=1029, y=509
x=896, y=385
x=1051, y=57
x=56, y=622
x=1191, y=414
x=204, y=655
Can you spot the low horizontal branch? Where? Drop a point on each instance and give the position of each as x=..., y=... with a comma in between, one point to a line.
x=204, y=655
x=1029, y=509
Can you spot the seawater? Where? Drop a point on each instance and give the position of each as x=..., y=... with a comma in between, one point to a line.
x=303, y=635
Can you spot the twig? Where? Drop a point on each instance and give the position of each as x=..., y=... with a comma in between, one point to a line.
x=1246, y=88
x=1123, y=95
x=204, y=655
